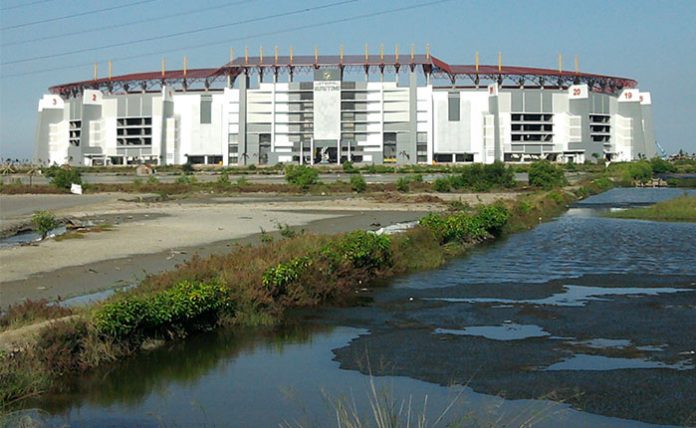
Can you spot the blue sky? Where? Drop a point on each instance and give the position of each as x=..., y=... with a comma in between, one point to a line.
x=653, y=42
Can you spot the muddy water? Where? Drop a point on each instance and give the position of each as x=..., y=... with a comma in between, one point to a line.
x=596, y=313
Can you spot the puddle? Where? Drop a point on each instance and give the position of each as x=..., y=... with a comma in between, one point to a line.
x=27, y=237
x=598, y=362
x=86, y=299
x=499, y=332
x=574, y=295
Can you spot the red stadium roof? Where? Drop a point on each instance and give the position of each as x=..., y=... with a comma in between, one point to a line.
x=205, y=78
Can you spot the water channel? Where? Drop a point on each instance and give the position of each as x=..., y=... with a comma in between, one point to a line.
x=581, y=321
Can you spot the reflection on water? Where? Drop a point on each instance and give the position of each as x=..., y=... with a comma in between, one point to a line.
x=247, y=379
x=27, y=237
x=574, y=295
x=599, y=362
x=509, y=331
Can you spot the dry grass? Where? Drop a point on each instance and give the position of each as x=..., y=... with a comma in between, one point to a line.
x=31, y=311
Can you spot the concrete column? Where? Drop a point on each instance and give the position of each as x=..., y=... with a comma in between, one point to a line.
x=411, y=149
x=494, y=109
x=243, y=86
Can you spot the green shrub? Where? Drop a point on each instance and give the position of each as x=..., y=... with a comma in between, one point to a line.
x=357, y=183
x=277, y=278
x=152, y=180
x=403, y=184
x=442, y=185
x=480, y=178
x=300, y=175
x=493, y=218
x=135, y=316
x=63, y=177
x=44, y=222
x=436, y=224
x=361, y=249
x=661, y=166
x=545, y=175
x=348, y=167
x=639, y=171
x=417, y=178
x=463, y=226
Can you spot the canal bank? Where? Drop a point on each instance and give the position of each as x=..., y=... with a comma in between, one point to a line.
x=547, y=277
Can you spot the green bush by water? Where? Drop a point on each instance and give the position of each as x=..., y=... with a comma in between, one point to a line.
x=138, y=315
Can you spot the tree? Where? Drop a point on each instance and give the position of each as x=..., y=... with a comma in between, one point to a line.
x=44, y=222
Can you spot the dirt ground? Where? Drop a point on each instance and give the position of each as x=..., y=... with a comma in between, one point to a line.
x=152, y=237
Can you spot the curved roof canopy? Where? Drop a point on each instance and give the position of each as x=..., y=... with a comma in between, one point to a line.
x=206, y=78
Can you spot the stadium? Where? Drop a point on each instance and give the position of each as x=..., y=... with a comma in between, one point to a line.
x=319, y=109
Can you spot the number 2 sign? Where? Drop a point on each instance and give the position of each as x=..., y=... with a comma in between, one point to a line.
x=91, y=96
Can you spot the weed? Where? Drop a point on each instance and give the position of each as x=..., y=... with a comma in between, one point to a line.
x=403, y=185
x=348, y=167
x=441, y=185
x=286, y=231
x=266, y=237
x=357, y=183
x=186, y=179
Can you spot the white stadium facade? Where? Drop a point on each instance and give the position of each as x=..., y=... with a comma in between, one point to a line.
x=329, y=109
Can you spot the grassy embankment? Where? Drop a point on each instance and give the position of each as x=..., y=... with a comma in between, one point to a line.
x=682, y=208
x=255, y=286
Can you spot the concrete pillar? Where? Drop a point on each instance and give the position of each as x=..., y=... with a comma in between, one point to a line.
x=243, y=86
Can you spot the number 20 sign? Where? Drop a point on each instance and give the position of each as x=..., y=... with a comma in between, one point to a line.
x=577, y=92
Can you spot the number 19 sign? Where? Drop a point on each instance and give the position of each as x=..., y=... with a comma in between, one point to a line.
x=629, y=96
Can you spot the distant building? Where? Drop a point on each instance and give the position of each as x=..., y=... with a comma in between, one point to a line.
x=328, y=109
